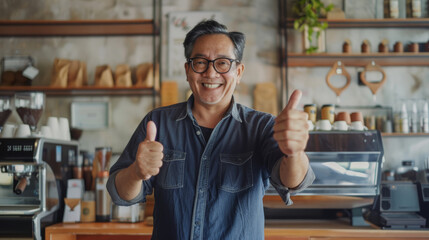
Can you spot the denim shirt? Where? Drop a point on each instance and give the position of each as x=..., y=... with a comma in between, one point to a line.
x=214, y=189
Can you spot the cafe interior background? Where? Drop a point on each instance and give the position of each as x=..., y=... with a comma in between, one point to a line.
x=259, y=20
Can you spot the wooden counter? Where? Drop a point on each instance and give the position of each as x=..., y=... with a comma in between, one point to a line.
x=274, y=230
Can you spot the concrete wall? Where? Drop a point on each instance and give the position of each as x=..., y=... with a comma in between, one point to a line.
x=257, y=19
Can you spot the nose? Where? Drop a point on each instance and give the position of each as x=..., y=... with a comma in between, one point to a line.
x=210, y=70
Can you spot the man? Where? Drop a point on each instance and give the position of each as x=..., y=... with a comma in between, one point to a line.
x=210, y=159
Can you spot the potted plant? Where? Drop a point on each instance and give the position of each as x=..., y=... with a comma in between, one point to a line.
x=307, y=14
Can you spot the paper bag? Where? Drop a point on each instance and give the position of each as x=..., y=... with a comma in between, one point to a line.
x=77, y=74
x=103, y=76
x=145, y=76
x=60, y=73
x=123, y=76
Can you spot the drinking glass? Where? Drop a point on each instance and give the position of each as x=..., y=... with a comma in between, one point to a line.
x=29, y=106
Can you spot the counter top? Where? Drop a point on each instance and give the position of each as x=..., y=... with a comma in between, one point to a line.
x=274, y=230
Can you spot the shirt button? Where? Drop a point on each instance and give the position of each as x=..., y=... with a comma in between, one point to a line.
x=204, y=157
x=201, y=190
x=198, y=132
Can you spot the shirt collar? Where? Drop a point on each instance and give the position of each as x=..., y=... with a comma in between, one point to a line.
x=187, y=110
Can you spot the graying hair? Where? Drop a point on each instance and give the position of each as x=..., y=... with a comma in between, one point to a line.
x=213, y=27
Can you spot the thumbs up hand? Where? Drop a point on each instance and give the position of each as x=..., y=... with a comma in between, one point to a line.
x=291, y=127
x=149, y=155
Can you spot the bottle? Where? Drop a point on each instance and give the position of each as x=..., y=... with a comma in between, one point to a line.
x=424, y=118
x=103, y=201
x=414, y=119
x=405, y=128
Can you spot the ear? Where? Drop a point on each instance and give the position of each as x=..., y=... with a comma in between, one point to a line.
x=240, y=72
x=186, y=65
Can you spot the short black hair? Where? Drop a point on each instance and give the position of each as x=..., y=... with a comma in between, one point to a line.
x=213, y=27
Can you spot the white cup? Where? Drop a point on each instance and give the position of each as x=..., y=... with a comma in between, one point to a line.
x=310, y=125
x=340, y=125
x=324, y=125
x=23, y=131
x=8, y=131
x=357, y=126
x=64, y=128
x=46, y=132
x=55, y=127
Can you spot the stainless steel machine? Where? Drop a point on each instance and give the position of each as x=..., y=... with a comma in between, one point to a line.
x=347, y=165
x=33, y=177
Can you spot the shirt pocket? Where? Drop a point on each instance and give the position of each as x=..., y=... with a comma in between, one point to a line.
x=235, y=173
x=173, y=170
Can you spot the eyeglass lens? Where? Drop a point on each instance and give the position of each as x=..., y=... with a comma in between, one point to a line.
x=221, y=65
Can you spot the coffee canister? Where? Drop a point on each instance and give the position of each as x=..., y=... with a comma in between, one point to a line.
x=311, y=109
x=328, y=112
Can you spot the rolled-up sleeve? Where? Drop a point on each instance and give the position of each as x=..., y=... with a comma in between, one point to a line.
x=111, y=188
x=285, y=192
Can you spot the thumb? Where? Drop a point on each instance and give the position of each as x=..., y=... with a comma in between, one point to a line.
x=150, y=131
x=294, y=100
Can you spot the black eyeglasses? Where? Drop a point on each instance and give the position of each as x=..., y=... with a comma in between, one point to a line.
x=221, y=65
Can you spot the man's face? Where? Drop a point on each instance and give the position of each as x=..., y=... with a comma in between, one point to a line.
x=211, y=87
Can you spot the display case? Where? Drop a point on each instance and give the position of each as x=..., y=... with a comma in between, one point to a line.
x=347, y=166
x=345, y=163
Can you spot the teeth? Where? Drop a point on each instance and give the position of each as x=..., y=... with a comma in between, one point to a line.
x=211, y=85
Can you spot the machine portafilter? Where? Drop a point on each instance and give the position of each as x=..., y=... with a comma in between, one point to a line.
x=21, y=176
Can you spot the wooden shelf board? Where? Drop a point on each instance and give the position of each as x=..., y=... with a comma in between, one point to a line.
x=359, y=60
x=22, y=28
x=405, y=134
x=78, y=91
x=372, y=23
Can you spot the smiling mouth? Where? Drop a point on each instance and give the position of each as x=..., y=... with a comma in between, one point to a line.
x=212, y=85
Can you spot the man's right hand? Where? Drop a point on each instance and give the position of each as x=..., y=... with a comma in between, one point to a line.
x=149, y=155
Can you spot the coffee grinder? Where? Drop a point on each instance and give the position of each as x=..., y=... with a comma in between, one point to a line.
x=33, y=177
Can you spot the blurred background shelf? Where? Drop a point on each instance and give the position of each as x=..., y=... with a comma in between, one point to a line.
x=358, y=59
x=80, y=91
x=372, y=23
x=22, y=28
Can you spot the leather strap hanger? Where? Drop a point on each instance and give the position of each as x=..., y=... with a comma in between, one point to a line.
x=338, y=69
x=373, y=86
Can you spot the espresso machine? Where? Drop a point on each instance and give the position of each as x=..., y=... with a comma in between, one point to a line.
x=33, y=177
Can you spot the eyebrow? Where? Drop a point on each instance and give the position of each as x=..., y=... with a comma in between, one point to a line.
x=219, y=56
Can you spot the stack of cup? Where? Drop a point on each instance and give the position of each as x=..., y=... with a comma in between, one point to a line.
x=54, y=125
x=23, y=131
x=8, y=131
x=357, y=122
x=342, y=121
x=64, y=129
x=57, y=128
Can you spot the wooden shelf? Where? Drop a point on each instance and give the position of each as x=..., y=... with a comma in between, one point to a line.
x=34, y=28
x=405, y=134
x=79, y=91
x=373, y=23
x=358, y=60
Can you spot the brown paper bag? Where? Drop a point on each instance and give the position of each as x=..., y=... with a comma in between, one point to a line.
x=77, y=74
x=123, y=76
x=145, y=78
x=103, y=76
x=60, y=73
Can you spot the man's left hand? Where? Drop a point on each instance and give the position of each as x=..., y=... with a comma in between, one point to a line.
x=291, y=127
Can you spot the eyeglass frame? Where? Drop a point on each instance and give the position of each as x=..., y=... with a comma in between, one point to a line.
x=190, y=60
